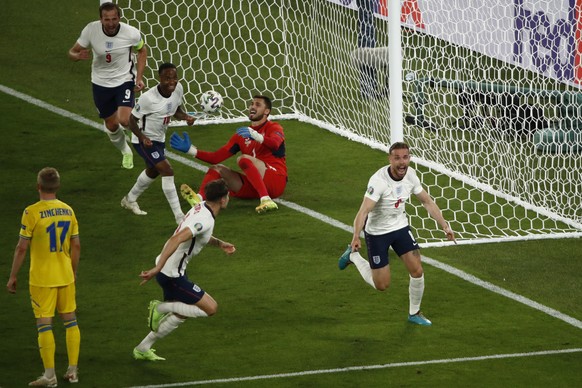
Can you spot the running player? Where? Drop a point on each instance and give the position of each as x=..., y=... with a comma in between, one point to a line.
x=183, y=298
x=382, y=218
x=149, y=122
x=114, y=74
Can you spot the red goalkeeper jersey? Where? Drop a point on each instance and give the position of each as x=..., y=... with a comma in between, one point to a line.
x=271, y=151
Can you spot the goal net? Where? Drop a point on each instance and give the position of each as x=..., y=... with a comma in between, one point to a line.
x=491, y=92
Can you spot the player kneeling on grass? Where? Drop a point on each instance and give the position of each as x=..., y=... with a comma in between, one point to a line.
x=182, y=298
x=385, y=224
x=149, y=122
x=262, y=159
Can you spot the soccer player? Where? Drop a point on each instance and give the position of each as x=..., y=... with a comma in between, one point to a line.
x=382, y=218
x=114, y=75
x=182, y=298
x=264, y=169
x=50, y=228
x=153, y=111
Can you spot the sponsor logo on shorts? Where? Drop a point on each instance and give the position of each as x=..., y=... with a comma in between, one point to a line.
x=376, y=259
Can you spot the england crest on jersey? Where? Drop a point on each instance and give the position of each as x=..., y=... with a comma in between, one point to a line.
x=108, y=45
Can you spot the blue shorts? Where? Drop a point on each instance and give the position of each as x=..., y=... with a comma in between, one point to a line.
x=179, y=289
x=400, y=240
x=107, y=100
x=152, y=155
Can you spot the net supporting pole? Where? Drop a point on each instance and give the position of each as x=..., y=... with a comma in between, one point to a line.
x=395, y=66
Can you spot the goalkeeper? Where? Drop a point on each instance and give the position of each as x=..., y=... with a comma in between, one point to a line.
x=262, y=159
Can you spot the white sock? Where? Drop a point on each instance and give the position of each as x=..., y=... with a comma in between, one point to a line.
x=118, y=139
x=169, y=189
x=187, y=310
x=169, y=324
x=49, y=373
x=415, y=292
x=363, y=266
x=141, y=184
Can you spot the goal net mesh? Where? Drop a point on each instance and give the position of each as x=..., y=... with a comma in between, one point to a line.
x=492, y=107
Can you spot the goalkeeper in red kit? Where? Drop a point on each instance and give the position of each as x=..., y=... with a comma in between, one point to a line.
x=262, y=159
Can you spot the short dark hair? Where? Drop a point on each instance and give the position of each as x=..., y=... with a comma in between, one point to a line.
x=266, y=99
x=164, y=66
x=109, y=7
x=399, y=145
x=48, y=180
x=216, y=190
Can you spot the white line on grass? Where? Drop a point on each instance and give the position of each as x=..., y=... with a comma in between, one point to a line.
x=363, y=368
x=328, y=220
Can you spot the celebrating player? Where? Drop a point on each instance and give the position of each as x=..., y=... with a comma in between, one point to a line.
x=154, y=110
x=50, y=228
x=385, y=224
x=182, y=298
x=264, y=169
x=112, y=72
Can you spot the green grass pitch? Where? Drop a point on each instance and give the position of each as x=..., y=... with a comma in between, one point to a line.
x=287, y=316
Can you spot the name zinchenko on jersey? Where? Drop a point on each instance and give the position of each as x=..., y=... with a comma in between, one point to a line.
x=55, y=212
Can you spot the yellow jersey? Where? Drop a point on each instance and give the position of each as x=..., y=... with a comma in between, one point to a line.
x=50, y=225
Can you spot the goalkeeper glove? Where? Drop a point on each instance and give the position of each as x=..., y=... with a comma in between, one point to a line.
x=249, y=133
x=184, y=145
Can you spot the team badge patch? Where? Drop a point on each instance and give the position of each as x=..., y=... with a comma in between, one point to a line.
x=156, y=155
x=376, y=259
x=370, y=190
x=398, y=190
x=108, y=45
x=198, y=226
x=137, y=107
x=196, y=288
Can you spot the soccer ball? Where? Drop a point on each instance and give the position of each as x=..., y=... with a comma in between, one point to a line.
x=210, y=101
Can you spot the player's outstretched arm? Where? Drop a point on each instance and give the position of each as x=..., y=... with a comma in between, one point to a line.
x=249, y=133
x=78, y=53
x=181, y=115
x=435, y=212
x=142, y=56
x=227, y=247
x=169, y=248
x=183, y=144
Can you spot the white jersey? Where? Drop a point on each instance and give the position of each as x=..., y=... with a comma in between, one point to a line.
x=112, y=55
x=390, y=196
x=200, y=220
x=155, y=111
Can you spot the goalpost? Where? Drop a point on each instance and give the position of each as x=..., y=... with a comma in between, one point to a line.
x=490, y=92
